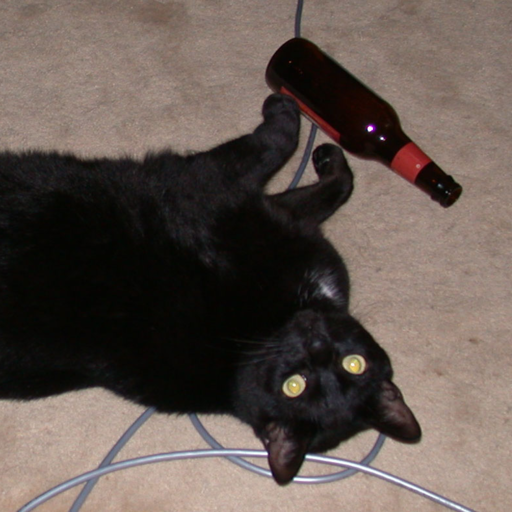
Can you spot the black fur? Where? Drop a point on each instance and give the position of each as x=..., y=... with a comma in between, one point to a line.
x=177, y=283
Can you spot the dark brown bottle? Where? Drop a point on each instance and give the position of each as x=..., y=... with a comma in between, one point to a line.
x=354, y=116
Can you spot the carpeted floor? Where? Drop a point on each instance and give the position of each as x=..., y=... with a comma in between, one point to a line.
x=432, y=284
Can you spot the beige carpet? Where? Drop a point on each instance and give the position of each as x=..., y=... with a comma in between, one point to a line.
x=433, y=285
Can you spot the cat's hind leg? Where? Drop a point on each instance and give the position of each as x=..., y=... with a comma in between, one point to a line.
x=320, y=200
x=259, y=155
x=279, y=132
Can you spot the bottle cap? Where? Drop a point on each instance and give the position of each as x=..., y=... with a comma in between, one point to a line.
x=438, y=185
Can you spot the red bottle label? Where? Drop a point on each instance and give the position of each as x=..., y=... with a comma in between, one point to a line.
x=314, y=117
x=409, y=161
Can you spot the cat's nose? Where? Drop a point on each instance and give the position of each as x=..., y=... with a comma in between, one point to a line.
x=320, y=351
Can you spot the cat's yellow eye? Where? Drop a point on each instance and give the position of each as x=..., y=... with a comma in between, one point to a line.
x=294, y=386
x=354, y=363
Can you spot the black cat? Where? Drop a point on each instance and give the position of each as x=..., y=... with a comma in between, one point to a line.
x=177, y=283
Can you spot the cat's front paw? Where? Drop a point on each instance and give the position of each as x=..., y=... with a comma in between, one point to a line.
x=280, y=104
x=329, y=160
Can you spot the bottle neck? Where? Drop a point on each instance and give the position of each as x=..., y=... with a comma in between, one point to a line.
x=418, y=168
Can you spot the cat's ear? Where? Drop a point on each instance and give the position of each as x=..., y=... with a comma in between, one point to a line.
x=393, y=417
x=286, y=451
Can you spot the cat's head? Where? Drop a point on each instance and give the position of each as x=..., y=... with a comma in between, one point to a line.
x=321, y=379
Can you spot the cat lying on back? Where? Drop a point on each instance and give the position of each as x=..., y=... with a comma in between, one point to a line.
x=176, y=282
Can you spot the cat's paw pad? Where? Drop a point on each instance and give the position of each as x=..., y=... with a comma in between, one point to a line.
x=279, y=104
x=329, y=159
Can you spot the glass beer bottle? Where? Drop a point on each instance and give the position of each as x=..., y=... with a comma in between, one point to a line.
x=354, y=116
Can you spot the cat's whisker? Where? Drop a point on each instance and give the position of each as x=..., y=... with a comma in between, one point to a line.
x=259, y=356
x=228, y=349
x=246, y=341
x=267, y=341
x=252, y=361
x=260, y=349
